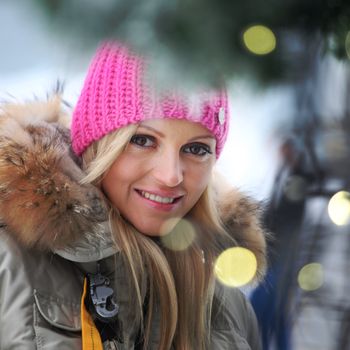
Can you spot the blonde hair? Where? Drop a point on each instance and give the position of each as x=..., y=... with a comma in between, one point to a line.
x=181, y=283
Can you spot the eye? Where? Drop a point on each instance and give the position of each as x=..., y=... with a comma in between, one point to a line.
x=197, y=149
x=143, y=140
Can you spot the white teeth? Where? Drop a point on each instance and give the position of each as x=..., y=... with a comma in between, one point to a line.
x=157, y=198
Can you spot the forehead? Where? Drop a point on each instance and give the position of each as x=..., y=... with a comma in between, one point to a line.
x=180, y=127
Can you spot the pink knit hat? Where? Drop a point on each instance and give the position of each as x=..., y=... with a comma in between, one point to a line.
x=116, y=93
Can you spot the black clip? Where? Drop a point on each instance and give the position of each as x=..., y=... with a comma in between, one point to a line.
x=102, y=298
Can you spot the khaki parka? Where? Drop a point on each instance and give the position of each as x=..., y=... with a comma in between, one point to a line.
x=53, y=232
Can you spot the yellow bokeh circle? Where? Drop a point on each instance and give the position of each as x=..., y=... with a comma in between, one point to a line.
x=347, y=45
x=339, y=208
x=259, y=40
x=235, y=266
x=310, y=277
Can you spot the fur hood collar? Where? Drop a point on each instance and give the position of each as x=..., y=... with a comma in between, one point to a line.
x=43, y=205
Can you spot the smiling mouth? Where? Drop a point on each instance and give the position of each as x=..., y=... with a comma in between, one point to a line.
x=157, y=198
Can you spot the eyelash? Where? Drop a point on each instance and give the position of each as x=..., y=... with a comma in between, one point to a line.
x=145, y=138
x=197, y=149
x=202, y=148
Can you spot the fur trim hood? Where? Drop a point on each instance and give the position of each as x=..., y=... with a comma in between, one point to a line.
x=44, y=206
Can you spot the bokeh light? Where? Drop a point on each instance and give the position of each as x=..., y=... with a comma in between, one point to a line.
x=235, y=266
x=259, y=39
x=339, y=208
x=335, y=144
x=310, y=277
x=347, y=44
x=295, y=188
x=180, y=237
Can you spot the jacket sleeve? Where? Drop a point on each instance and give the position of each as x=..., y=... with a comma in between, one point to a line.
x=16, y=299
x=253, y=332
x=39, y=299
x=234, y=324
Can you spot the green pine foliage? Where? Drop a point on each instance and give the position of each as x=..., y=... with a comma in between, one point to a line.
x=204, y=37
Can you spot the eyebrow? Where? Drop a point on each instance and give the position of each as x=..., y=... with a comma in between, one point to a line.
x=206, y=136
x=202, y=137
x=152, y=129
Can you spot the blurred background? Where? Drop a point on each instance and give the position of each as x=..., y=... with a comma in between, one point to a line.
x=287, y=67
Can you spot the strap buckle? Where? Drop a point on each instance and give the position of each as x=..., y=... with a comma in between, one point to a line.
x=102, y=298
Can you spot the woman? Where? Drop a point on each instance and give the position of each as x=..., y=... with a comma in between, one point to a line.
x=120, y=255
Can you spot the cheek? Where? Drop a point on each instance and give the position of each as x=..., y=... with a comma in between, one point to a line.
x=125, y=171
x=110, y=187
x=115, y=180
x=198, y=180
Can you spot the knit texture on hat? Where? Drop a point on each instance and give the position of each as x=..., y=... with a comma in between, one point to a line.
x=117, y=93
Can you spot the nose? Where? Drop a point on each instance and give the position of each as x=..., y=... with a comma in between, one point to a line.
x=168, y=169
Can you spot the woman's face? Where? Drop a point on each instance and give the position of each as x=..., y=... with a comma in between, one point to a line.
x=161, y=174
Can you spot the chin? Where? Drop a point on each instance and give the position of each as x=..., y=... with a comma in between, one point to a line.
x=158, y=229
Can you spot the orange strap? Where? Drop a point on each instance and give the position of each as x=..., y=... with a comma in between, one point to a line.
x=91, y=339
